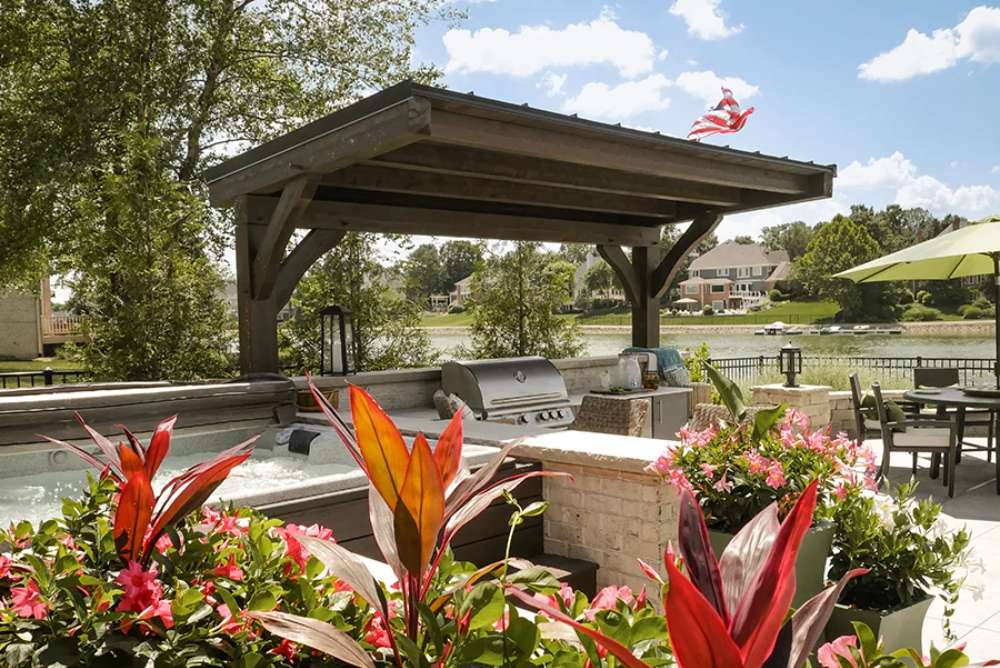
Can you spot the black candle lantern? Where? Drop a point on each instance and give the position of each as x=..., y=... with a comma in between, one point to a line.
x=791, y=363
x=336, y=356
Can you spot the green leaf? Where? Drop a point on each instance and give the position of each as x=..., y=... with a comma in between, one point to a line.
x=765, y=419
x=486, y=601
x=262, y=600
x=729, y=392
x=524, y=634
x=537, y=579
x=535, y=509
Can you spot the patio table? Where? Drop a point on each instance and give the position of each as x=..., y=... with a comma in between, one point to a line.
x=953, y=397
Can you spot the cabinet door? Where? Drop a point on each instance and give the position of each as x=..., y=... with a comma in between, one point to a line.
x=669, y=414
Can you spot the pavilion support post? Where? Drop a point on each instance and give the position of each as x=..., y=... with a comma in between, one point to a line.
x=649, y=273
x=258, y=318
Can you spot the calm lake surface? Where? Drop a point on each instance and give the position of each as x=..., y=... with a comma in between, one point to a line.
x=741, y=345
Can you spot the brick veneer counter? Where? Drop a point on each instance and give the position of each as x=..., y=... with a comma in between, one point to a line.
x=613, y=511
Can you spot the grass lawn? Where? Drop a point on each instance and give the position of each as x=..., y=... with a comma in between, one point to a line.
x=446, y=320
x=37, y=364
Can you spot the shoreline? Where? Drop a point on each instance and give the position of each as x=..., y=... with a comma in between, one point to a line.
x=938, y=328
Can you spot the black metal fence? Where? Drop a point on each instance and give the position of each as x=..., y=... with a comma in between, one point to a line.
x=17, y=379
x=747, y=368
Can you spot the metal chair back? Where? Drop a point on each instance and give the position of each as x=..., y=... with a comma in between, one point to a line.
x=934, y=377
x=856, y=399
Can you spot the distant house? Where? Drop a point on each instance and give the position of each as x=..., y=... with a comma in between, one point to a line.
x=29, y=327
x=458, y=296
x=734, y=276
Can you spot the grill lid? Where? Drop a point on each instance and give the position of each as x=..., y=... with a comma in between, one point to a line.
x=488, y=386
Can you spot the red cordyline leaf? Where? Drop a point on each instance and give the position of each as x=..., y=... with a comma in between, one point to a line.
x=448, y=450
x=338, y=423
x=106, y=446
x=132, y=516
x=381, y=445
x=761, y=613
x=698, y=635
x=159, y=445
x=419, y=511
x=615, y=648
x=131, y=462
x=699, y=559
x=746, y=552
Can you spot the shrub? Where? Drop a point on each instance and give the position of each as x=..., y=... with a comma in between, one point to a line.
x=924, y=297
x=983, y=303
x=970, y=312
x=919, y=312
x=456, y=308
x=776, y=295
x=904, y=297
x=707, y=310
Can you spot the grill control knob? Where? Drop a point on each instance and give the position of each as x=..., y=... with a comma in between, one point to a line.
x=522, y=419
x=543, y=416
x=561, y=413
x=553, y=415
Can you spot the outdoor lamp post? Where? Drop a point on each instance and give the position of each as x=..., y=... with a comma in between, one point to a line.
x=336, y=356
x=790, y=361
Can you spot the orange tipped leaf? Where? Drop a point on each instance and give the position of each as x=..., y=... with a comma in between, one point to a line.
x=420, y=512
x=159, y=445
x=448, y=450
x=381, y=445
x=132, y=516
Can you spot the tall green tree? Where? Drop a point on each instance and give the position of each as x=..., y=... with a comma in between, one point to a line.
x=836, y=246
x=387, y=333
x=200, y=78
x=459, y=258
x=423, y=274
x=793, y=238
x=151, y=307
x=515, y=301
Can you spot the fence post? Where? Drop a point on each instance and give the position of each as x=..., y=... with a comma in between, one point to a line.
x=48, y=375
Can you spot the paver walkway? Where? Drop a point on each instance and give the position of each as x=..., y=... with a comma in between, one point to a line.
x=977, y=506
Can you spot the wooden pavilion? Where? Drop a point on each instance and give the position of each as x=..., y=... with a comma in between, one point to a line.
x=419, y=160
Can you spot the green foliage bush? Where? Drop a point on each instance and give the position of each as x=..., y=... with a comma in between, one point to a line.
x=707, y=310
x=776, y=295
x=921, y=313
x=924, y=297
x=970, y=312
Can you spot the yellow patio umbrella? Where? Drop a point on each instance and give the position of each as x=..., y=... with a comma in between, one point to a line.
x=969, y=251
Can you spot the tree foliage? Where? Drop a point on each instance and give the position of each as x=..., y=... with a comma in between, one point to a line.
x=459, y=258
x=836, y=246
x=793, y=238
x=423, y=274
x=148, y=292
x=515, y=300
x=387, y=333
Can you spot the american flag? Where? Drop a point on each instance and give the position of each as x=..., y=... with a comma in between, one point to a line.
x=724, y=118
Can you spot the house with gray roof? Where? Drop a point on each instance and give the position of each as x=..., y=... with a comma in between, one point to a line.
x=735, y=276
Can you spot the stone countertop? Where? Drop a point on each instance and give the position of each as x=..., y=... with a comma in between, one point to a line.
x=584, y=448
x=575, y=399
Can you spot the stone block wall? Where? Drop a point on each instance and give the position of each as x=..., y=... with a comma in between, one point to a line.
x=20, y=334
x=813, y=400
x=611, y=512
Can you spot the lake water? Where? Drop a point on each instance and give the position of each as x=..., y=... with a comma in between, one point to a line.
x=742, y=345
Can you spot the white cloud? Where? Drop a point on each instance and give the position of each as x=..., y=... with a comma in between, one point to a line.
x=976, y=38
x=707, y=85
x=533, y=49
x=995, y=170
x=615, y=103
x=553, y=83
x=704, y=18
x=753, y=222
x=891, y=171
x=927, y=192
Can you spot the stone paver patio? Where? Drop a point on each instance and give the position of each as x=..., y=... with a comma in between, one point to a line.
x=977, y=506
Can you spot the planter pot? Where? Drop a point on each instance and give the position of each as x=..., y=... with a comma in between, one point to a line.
x=899, y=629
x=810, y=567
x=307, y=403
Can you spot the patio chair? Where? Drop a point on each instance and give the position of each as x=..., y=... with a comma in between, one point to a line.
x=936, y=437
x=974, y=417
x=605, y=415
x=866, y=426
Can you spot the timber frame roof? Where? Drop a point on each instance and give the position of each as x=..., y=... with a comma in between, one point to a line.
x=421, y=160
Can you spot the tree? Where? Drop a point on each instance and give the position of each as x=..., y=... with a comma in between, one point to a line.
x=743, y=239
x=148, y=286
x=387, y=333
x=459, y=258
x=514, y=307
x=575, y=253
x=198, y=79
x=423, y=274
x=793, y=238
x=836, y=246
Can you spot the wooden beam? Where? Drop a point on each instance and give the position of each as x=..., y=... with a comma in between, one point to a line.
x=622, y=266
x=258, y=318
x=458, y=161
x=310, y=249
x=295, y=196
x=366, y=137
x=375, y=177
x=541, y=142
x=352, y=216
x=664, y=273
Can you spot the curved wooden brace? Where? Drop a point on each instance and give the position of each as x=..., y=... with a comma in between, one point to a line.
x=297, y=263
x=672, y=262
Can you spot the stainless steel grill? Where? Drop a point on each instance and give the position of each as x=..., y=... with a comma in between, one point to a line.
x=518, y=390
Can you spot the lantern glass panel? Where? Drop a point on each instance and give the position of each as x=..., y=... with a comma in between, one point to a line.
x=329, y=331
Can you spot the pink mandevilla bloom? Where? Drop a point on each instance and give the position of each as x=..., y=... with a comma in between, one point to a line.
x=607, y=599
x=4, y=567
x=775, y=476
x=723, y=484
x=829, y=655
x=229, y=570
x=708, y=470
x=142, y=589
x=27, y=601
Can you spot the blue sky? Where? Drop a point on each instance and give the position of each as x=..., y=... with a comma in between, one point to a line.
x=901, y=95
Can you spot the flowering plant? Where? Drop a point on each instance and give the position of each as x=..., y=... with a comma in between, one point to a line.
x=908, y=551
x=862, y=650
x=735, y=473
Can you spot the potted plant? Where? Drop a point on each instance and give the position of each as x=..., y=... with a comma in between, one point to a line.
x=737, y=468
x=910, y=555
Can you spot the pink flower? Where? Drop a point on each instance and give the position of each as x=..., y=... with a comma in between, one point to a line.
x=4, y=567
x=27, y=601
x=663, y=463
x=285, y=648
x=229, y=570
x=230, y=622
x=680, y=481
x=756, y=462
x=293, y=548
x=376, y=633
x=649, y=572
x=607, y=599
x=841, y=491
x=161, y=611
x=775, y=476
x=163, y=543
x=796, y=418
x=708, y=470
x=142, y=589
x=723, y=484
x=829, y=655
